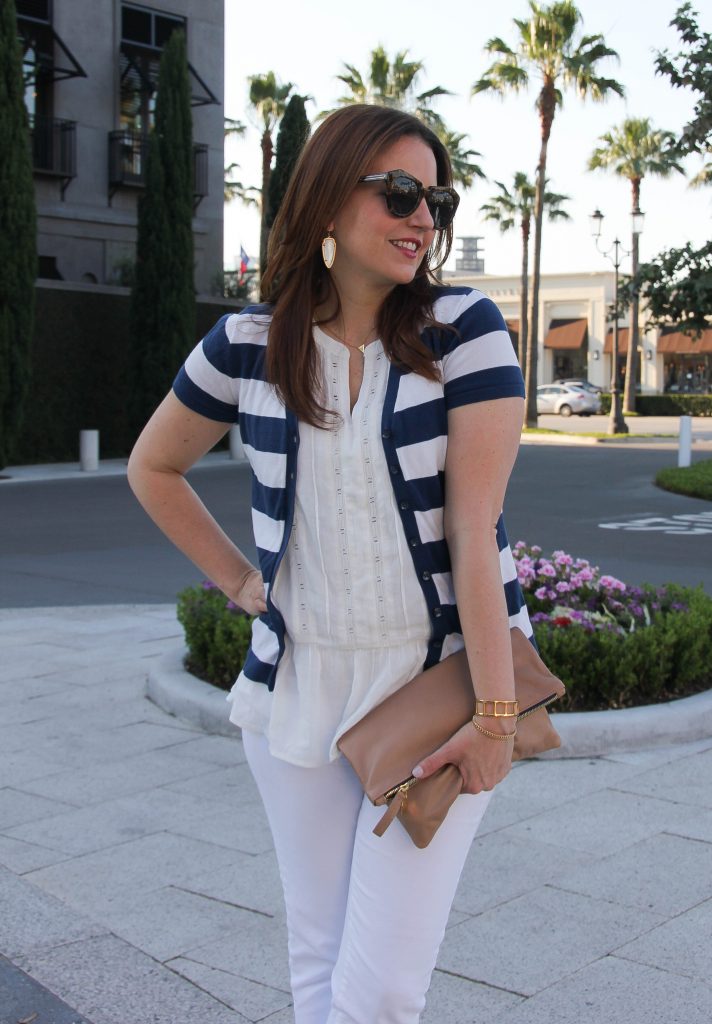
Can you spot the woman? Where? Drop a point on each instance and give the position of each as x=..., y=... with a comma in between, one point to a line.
x=361, y=387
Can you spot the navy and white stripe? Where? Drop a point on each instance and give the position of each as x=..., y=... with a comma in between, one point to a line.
x=223, y=379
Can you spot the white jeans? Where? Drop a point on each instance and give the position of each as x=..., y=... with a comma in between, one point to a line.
x=365, y=916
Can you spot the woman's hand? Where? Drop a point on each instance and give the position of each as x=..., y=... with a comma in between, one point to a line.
x=482, y=761
x=250, y=593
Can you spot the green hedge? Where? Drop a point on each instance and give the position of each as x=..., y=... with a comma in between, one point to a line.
x=80, y=372
x=666, y=405
x=670, y=658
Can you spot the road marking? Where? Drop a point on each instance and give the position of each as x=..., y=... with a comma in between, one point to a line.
x=693, y=524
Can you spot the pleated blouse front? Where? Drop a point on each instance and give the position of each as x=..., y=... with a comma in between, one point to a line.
x=357, y=624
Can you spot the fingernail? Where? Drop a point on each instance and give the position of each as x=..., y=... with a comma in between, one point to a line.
x=417, y=772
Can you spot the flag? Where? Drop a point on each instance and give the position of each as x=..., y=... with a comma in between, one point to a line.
x=244, y=263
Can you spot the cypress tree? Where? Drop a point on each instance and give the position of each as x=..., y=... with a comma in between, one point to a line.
x=293, y=133
x=163, y=296
x=18, y=243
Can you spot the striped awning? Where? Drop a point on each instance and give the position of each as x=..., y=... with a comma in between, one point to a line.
x=567, y=334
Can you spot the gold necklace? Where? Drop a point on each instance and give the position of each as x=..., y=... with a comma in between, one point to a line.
x=349, y=344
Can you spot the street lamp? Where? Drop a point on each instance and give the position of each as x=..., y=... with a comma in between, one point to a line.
x=617, y=424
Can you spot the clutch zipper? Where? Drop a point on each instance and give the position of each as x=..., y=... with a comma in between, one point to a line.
x=402, y=788
x=535, y=707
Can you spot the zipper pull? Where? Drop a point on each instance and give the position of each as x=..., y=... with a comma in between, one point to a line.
x=399, y=798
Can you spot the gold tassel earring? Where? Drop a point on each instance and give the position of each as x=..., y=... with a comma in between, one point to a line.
x=328, y=250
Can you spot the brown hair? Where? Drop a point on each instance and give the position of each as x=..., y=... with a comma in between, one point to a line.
x=296, y=281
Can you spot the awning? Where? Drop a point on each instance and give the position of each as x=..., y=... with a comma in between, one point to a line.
x=676, y=341
x=567, y=334
x=146, y=77
x=40, y=39
x=513, y=328
x=623, y=333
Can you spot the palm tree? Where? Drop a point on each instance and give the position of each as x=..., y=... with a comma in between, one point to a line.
x=235, y=189
x=548, y=46
x=269, y=99
x=391, y=83
x=512, y=209
x=632, y=150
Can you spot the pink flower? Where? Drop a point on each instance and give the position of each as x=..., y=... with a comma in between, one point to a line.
x=562, y=587
x=541, y=594
x=611, y=583
x=561, y=558
x=546, y=569
x=582, y=577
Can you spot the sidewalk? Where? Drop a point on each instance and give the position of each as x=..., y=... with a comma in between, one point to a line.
x=138, y=883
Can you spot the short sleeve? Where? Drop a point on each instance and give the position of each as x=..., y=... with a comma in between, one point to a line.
x=480, y=364
x=208, y=382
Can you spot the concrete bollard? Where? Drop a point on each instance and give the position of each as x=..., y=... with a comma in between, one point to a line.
x=89, y=450
x=237, y=452
x=684, y=451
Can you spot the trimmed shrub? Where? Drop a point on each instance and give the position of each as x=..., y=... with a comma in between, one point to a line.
x=217, y=634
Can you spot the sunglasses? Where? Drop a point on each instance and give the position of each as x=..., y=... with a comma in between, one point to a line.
x=404, y=194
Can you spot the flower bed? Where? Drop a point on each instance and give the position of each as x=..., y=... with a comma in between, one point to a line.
x=615, y=646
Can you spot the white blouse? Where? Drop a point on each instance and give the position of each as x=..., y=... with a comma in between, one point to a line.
x=357, y=625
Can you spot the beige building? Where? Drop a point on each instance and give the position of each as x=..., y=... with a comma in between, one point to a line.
x=90, y=71
x=575, y=338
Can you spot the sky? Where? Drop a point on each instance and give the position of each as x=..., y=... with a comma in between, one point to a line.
x=306, y=43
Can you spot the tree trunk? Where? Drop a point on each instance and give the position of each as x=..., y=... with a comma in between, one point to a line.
x=547, y=106
x=631, y=365
x=267, y=152
x=524, y=296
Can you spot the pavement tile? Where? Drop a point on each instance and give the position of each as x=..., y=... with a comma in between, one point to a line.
x=23, y=768
x=699, y=827
x=614, y=991
x=97, y=782
x=259, y=953
x=603, y=822
x=681, y=945
x=254, y=1001
x=17, y=807
x=169, y=921
x=685, y=781
x=659, y=755
x=242, y=826
x=640, y=875
x=454, y=1000
x=33, y=919
x=248, y=881
x=83, y=830
x=83, y=747
x=20, y=857
x=494, y=872
x=96, y=880
x=562, y=931
x=224, y=751
x=111, y=982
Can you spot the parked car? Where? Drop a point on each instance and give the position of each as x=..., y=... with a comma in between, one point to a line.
x=565, y=399
x=579, y=382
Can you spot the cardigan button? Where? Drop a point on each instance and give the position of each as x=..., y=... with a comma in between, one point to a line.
x=404, y=505
x=414, y=542
x=386, y=434
x=437, y=611
x=395, y=469
x=425, y=575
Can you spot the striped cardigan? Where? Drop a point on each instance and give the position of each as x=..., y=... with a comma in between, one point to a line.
x=223, y=379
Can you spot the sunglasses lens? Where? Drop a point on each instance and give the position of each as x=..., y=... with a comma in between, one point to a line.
x=403, y=195
x=442, y=203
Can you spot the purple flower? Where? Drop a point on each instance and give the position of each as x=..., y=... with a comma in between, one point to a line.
x=562, y=587
x=208, y=585
x=542, y=593
x=546, y=569
x=611, y=583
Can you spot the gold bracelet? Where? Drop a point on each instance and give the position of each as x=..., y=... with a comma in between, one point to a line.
x=497, y=708
x=494, y=735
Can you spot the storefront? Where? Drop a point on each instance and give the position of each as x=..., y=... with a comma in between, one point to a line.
x=567, y=341
x=687, y=362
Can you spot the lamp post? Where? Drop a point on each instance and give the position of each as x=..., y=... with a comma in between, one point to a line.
x=616, y=423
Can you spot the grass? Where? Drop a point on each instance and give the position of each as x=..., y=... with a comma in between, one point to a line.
x=592, y=433
x=695, y=481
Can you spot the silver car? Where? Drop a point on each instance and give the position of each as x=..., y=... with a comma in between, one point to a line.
x=565, y=400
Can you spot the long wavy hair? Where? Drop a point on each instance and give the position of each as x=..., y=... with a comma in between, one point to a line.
x=296, y=282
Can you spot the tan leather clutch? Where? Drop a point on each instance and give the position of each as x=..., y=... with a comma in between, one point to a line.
x=417, y=719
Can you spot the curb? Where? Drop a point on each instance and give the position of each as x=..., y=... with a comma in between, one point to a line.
x=583, y=733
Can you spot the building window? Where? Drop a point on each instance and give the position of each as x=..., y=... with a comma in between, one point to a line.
x=144, y=33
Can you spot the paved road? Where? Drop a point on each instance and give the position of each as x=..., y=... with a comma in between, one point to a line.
x=86, y=541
